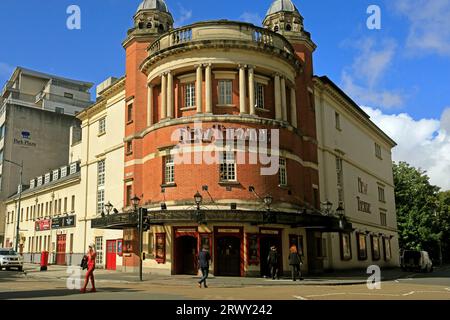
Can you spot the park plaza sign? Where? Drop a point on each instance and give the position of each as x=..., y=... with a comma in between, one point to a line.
x=55, y=223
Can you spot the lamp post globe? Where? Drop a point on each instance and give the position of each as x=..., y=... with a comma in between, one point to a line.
x=198, y=199
x=135, y=201
x=108, y=207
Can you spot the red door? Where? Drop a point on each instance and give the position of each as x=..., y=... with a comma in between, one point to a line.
x=61, y=249
x=111, y=254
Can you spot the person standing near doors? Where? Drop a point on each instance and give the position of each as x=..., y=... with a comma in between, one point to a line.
x=272, y=261
x=295, y=261
x=91, y=255
x=203, y=264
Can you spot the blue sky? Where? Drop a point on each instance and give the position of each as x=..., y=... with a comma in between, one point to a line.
x=402, y=69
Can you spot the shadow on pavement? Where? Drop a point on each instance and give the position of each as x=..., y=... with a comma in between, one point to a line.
x=55, y=293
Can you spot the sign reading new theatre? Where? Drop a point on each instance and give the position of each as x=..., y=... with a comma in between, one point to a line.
x=63, y=222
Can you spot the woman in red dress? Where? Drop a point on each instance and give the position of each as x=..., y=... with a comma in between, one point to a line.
x=91, y=255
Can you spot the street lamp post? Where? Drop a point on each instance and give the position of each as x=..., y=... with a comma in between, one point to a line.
x=135, y=202
x=268, y=200
x=19, y=202
x=198, y=200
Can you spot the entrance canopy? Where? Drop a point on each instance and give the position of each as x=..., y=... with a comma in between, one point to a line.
x=324, y=223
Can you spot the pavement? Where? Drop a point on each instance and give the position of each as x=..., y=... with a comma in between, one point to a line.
x=350, y=277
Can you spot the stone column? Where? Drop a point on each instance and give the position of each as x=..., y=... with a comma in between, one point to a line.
x=293, y=108
x=163, y=96
x=149, y=105
x=208, y=88
x=278, y=111
x=198, y=89
x=242, y=90
x=169, y=95
x=283, y=99
x=251, y=90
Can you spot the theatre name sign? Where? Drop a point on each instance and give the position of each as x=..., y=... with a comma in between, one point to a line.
x=55, y=223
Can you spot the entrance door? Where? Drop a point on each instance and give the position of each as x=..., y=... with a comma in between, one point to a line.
x=110, y=254
x=186, y=255
x=315, y=256
x=228, y=256
x=61, y=249
x=266, y=242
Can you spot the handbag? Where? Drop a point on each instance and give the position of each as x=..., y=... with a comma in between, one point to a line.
x=84, y=263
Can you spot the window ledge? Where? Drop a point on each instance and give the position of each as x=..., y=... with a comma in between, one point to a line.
x=226, y=105
x=168, y=185
x=229, y=183
x=188, y=108
x=262, y=109
x=101, y=134
x=129, y=122
x=283, y=186
x=129, y=153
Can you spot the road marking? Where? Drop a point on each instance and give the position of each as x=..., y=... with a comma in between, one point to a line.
x=300, y=297
x=408, y=294
x=397, y=281
x=326, y=294
x=448, y=289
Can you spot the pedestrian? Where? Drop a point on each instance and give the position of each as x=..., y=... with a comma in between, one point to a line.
x=203, y=264
x=91, y=255
x=295, y=262
x=272, y=261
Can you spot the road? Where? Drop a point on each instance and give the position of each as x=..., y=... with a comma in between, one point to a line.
x=436, y=286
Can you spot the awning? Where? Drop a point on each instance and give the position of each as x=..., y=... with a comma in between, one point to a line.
x=315, y=221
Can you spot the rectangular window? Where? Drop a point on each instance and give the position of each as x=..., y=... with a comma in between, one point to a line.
x=227, y=167
x=362, y=186
x=59, y=205
x=59, y=110
x=55, y=175
x=100, y=200
x=383, y=221
x=337, y=120
x=340, y=179
x=129, y=195
x=73, y=204
x=387, y=248
x=71, y=243
x=130, y=112
x=381, y=196
x=101, y=168
x=259, y=95
x=27, y=216
x=99, y=250
x=225, y=92
x=283, y=172
x=363, y=206
x=169, y=170
x=189, y=95
x=129, y=147
x=47, y=178
x=68, y=95
x=102, y=126
x=362, y=246
x=65, y=205
x=63, y=171
x=73, y=168
x=21, y=214
x=378, y=151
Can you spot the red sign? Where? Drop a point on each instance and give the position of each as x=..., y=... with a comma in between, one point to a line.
x=42, y=225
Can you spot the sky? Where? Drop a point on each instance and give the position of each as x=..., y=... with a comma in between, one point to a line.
x=399, y=74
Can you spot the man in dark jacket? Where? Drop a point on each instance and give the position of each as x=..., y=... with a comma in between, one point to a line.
x=272, y=261
x=203, y=264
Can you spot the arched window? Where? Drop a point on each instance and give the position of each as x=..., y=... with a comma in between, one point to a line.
x=161, y=28
x=288, y=27
x=141, y=25
x=276, y=28
x=149, y=25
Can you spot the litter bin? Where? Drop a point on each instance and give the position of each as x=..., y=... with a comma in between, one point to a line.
x=44, y=260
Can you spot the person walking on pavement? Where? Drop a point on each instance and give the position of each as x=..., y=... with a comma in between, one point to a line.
x=272, y=261
x=203, y=264
x=295, y=262
x=91, y=255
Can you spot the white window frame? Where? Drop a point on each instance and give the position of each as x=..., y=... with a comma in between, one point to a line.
x=381, y=194
x=169, y=169
x=189, y=95
x=55, y=174
x=282, y=172
x=101, y=169
x=73, y=168
x=225, y=92
x=99, y=250
x=102, y=125
x=259, y=95
x=383, y=218
x=63, y=171
x=228, y=172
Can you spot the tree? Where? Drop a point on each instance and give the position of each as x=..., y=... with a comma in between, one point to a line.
x=417, y=201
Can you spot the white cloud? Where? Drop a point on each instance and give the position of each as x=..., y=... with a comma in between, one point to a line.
x=184, y=15
x=423, y=143
x=429, y=30
x=251, y=17
x=361, y=80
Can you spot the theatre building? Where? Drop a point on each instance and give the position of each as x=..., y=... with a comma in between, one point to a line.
x=182, y=86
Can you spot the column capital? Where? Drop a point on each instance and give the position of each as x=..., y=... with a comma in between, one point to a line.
x=251, y=67
x=207, y=65
x=242, y=66
x=198, y=66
